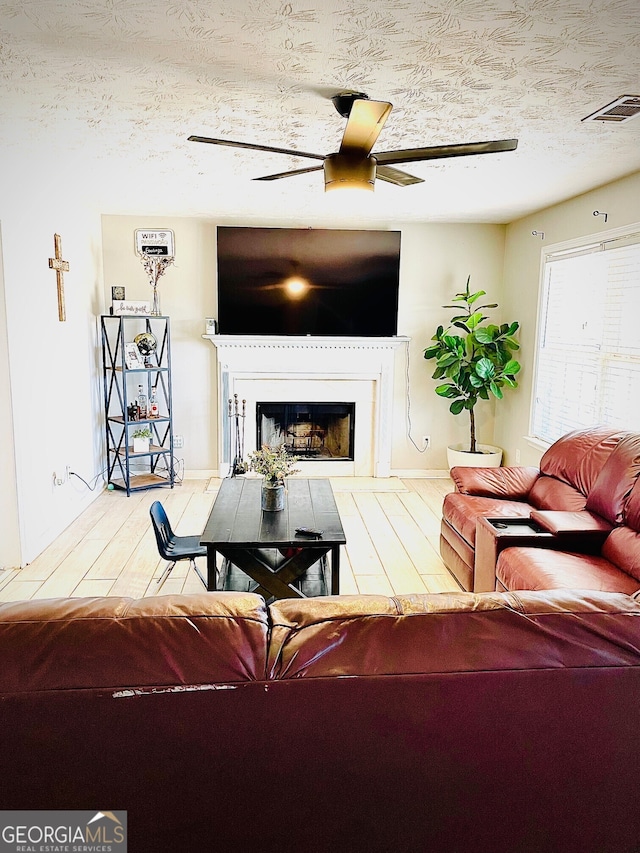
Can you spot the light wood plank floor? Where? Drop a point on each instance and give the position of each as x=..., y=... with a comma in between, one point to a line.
x=392, y=530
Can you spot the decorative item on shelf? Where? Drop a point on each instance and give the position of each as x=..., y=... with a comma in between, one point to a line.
x=132, y=357
x=211, y=326
x=118, y=294
x=274, y=463
x=157, y=251
x=141, y=440
x=142, y=403
x=475, y=366
x=147, y=344
x=154, y=268
x=131, y=308
x=154, y=409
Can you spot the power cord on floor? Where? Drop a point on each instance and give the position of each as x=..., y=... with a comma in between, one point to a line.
x=94, y=481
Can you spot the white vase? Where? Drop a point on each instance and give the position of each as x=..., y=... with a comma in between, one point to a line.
x=486, y=456
x=140, y=445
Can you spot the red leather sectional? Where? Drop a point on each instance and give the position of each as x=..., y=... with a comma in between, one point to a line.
x=594, y=473
x=489, y=723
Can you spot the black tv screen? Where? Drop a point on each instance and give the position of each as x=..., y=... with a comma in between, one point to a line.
x=347, y=281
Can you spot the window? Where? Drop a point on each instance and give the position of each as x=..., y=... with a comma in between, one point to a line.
x=588, y=357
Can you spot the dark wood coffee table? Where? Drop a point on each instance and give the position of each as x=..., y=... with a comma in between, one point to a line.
x=249, y=538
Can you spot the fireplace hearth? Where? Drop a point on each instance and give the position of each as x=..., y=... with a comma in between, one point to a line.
x=321, y=431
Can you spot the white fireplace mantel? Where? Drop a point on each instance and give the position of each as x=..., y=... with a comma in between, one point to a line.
x=313, y=368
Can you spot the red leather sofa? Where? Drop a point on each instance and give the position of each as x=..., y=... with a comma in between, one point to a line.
x=489, y=723
x=587, y=479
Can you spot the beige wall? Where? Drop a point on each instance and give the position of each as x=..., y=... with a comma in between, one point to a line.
x=566, y=221
x=435, y=262
x=53, y=378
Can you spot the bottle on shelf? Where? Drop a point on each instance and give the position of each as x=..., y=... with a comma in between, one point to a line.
x=154, y=411
x=142, y=403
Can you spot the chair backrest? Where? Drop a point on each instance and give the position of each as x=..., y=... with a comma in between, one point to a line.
x=162, y=529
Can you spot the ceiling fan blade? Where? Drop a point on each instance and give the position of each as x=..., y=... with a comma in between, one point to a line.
x=289, y=174
x=395, y=176
x=436, y=152
x=254, y=147
x=365, y=122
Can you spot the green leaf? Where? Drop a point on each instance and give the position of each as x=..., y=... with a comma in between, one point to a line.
x=483, y=393
x=483, y=336
x=495, y=390
x=447, y=391
x=456, y=407
x=475, y=319
x=511, y=367
x=485, y=369
x=475, y=296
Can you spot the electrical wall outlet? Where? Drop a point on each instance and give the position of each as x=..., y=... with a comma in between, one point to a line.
x=178, y=441
x=517, y=456
x=426, y=441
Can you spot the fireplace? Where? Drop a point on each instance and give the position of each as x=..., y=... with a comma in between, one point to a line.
x=322, y=369
x=322, y=431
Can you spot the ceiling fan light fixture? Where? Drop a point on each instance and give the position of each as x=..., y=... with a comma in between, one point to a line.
x=342, y=171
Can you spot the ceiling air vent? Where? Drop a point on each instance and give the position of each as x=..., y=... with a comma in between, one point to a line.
x=622, y=109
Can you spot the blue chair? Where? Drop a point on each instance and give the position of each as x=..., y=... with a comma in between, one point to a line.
x=174, y=548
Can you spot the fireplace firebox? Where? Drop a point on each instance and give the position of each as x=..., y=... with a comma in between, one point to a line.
x=310, y=430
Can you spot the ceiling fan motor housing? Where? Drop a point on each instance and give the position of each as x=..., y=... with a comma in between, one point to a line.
x=352, y=171
x=343, y=102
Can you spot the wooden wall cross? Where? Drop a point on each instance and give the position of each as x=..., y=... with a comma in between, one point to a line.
x=60, y=267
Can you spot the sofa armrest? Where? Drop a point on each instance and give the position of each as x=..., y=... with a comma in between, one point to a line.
x=571, y=522
x=510, y=482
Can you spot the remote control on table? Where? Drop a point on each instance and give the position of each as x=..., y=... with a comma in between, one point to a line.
x=309, y=531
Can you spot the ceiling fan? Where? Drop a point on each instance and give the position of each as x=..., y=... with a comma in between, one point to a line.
x=354, y=165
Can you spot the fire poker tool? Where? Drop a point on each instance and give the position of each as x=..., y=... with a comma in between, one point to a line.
x=236, y=434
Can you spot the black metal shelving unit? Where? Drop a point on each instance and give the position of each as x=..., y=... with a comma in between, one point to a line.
x=127, y=470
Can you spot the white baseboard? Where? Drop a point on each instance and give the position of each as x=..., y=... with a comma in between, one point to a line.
x=420, y=473
x=201, y=475
x=410, y=473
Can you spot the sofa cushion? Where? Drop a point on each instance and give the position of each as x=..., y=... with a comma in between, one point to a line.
x=632, y=508
x=622, y=548
x=578, y=457
x=509, y=482
x=461, y=511
x=549, y=493
x=539, y=568
x=371, y=635
x=107, y=643
x=617, y=478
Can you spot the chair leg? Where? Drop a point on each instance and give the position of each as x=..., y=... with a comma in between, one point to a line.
x=165, y=574
x=197, y=571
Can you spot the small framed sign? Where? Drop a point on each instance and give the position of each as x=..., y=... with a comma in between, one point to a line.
x=131, y=306
x=132, y=357
x=158, y=243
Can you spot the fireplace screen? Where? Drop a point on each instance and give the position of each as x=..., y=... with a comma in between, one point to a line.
x=309, y=430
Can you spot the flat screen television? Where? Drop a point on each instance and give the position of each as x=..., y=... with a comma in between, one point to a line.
x=307, y=281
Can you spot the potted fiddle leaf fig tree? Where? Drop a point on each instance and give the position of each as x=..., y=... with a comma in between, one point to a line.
x=474, y=359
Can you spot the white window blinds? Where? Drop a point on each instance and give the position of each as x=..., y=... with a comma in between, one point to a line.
x=588, y=358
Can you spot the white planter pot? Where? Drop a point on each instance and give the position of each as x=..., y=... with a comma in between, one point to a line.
x=140, y=445
x=487, y=456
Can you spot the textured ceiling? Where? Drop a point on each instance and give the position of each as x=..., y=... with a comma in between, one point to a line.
x=104, y=93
